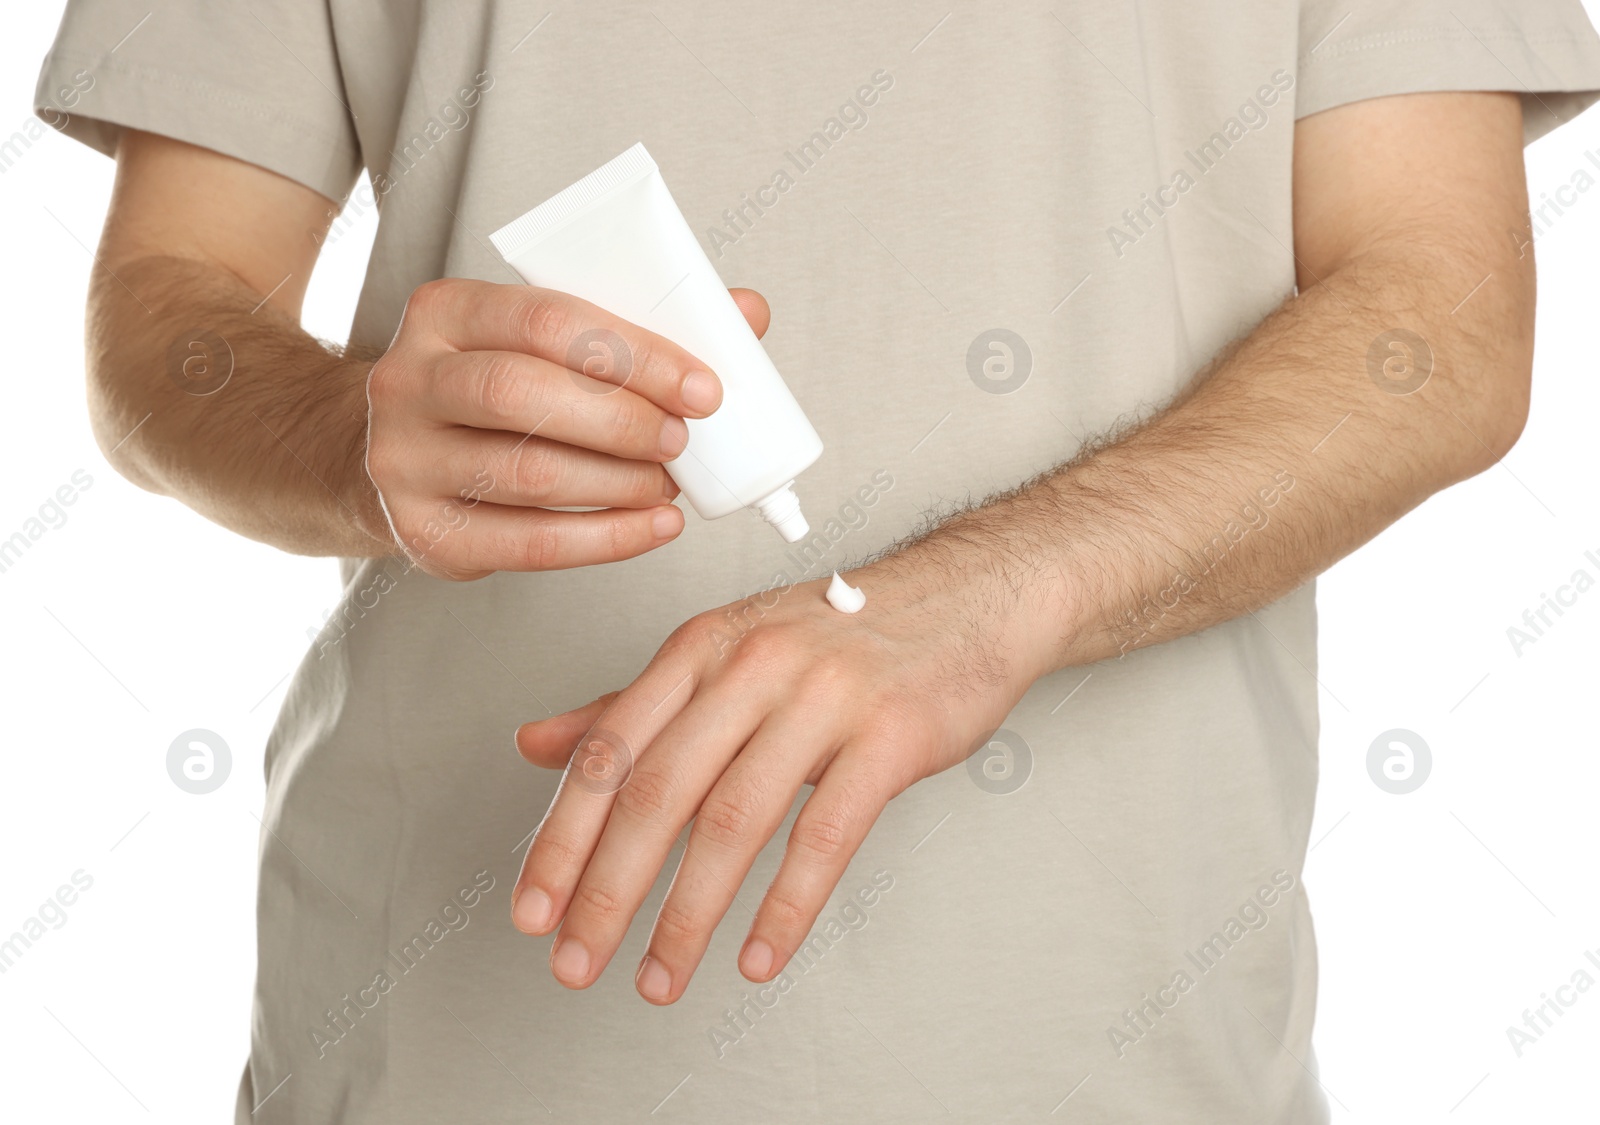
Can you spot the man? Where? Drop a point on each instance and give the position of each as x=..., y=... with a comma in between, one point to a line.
x=1063, y=761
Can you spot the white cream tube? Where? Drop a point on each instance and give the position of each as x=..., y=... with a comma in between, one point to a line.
x=616, y=239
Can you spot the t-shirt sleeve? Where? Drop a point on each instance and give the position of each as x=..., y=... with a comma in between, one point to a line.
x=260, y=82
x=1544, y=50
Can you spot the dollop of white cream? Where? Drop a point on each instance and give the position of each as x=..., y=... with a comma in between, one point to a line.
x=844, y=597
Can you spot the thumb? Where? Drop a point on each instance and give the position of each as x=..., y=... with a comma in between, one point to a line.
x=550, y=742
x=755, y=309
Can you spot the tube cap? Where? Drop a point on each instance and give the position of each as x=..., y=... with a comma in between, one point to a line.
x=782, y=511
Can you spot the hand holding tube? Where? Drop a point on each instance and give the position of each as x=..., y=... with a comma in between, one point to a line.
x=497, y=403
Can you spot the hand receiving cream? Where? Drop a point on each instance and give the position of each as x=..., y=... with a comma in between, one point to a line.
x=844, y=597
x=616, y=239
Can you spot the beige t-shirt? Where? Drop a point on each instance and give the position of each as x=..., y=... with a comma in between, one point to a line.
x=985, y=235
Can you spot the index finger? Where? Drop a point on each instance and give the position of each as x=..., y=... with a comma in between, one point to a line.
x=474, y=315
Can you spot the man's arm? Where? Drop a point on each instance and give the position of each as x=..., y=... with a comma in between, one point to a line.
x=1402, y=206
x=1403, y=209
x=193, y=244
x=451, y=445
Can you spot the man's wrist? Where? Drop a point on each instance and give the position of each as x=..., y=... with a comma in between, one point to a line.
x=1009, y=592
x=358, y=498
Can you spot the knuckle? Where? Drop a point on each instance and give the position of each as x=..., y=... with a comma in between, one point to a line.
x=381, y=462
x=693, y=633
x=554, y=853
x=784, y=913
x=500, y=389
x=727, y=821
x=822, y=835
x=600, y=903
x=646, y=355
x=635, y=424
x=676, y=926
x=541, y=316
x=540, y=548
x=619, y=538
x=826, y=681
x=647, y=796
x=896, y=764
x=762, y=652
x=535, y=470
x=426, y=298
x=383, y=382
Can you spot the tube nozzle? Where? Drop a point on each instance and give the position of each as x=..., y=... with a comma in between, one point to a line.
x=782, y=510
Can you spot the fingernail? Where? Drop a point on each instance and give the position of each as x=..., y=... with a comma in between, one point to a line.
x=530, y=911
x=653, y=980
x=674, y=436
x=666, y=523
x=757, y=959
x=570, y=961
x=516, y=744
x=699, y=391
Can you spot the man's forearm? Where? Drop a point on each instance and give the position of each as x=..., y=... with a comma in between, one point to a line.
x=274, y=452
x=1281, y=458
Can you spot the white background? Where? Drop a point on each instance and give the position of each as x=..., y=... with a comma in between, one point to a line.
x=1442, y=914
